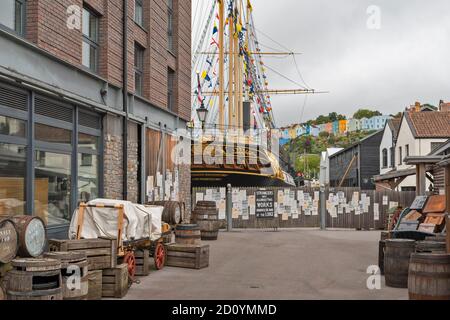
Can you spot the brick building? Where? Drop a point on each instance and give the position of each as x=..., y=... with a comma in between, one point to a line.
x=64, y=114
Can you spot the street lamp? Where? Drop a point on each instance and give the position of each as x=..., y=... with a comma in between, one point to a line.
x=202, y=112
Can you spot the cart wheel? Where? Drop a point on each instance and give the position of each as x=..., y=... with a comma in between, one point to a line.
x=130, y=260
x=159, y=256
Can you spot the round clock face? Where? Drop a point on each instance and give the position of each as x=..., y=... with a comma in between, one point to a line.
x=35, y=237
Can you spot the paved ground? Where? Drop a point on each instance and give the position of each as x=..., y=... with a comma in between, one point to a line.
x=288, y=264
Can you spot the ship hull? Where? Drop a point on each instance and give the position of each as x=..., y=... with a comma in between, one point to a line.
x=204, y=178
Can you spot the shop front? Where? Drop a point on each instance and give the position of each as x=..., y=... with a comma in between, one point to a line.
x=50, y=156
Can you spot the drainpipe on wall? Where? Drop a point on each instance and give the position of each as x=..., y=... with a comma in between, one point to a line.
x=125, y=99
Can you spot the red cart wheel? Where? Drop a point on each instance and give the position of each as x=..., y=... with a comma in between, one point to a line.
x=130, y=260
x=160, y=256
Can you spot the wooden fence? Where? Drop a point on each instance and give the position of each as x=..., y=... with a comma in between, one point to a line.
x=301, y=207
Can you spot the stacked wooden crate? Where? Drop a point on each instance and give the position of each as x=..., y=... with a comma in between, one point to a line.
x=194, y=256
x=142, y=262
x=102, y=259
x=115, y=282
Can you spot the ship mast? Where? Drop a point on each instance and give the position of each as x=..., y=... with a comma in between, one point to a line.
x=221, y=64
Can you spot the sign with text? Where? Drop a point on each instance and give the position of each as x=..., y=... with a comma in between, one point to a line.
x=264, y=200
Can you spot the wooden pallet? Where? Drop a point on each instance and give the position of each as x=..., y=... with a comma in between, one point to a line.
x=101, y=253
x=95, y=279
x=142, y=262
x=188, y=256
x=115, y=282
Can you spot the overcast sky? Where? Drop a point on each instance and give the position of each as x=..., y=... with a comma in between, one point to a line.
x=406, y=60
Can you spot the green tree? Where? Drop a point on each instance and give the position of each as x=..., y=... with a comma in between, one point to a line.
x=308, y=164
x=366, y=113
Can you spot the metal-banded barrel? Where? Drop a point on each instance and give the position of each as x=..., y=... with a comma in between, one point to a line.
x=187, y=234
x=430, y=247
x=172, y=213
x=34, y=279
x=74, y=272
x=429, y=276
x=381, y=248
x=206, y=216
x=396, y=262
x=9, y=241
x=32, y=235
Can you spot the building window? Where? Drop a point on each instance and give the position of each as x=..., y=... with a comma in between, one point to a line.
x=407, y=150
x=138, y=68
x=435, y=145
x=52, y=187
x=171, y=47
x=12, y=179
x=139, y=12
x=392, y=157
x=170, y=89
x=12, y=15
x=400, y=156
x=385, y=158
x=88, y=177
x=90, y=40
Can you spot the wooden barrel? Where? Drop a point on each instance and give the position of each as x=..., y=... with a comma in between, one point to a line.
x=172, y=213
x=430, y=247
x=206, y=216
x=429, y=276
x=396, y=261
x=34, y=279
x=74, y=272
x=9, y=241
x=187, y=234
x=381, y=248
x=32, y=235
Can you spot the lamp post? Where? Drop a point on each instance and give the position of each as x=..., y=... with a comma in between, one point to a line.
x=202, y=112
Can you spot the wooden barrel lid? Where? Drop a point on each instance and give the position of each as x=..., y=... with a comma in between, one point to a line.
x=36, y=264
x=431, y=258
x=9, y=241
x=71, y=256
x=32, y=235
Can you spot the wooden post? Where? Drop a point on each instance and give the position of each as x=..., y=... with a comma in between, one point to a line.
x=447, y=202
x=420, y=180
x=80, y=220
x=221, y=64
x=120, y=219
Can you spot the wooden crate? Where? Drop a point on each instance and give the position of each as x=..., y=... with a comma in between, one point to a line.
x=95, y=285
x=101, y=253
x=115, y=282
x=188, y=256
x=142, y=262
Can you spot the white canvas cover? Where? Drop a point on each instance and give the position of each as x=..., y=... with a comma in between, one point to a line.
x=140, y=221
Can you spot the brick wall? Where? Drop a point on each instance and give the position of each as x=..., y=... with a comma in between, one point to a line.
x=47, y=28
